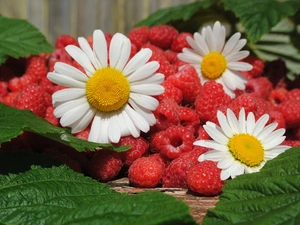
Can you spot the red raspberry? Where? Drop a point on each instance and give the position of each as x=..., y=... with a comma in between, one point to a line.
x=290, y=111
x=202, y=134
x=257, y=106
x=139, y=148
x=162, y=36
x=145, y=172
x=138, y=36
x=171, y=56
x=188, y=82
x=277, y=117
x=64, y=40
x=195, y=153
x=31, y=98
x=18, y=83
x=180, y=42
x=58, y=55
x=258, y=66
x=46, y=85
x=259, y=87
x=188, y=118
x=166, y=114
x=293, y=94
x=37, y=67
x=291, y=143
x=277, y=96
x=211, y=98
x=9, y=98
x=171, y=92
x=49, y=116
x=165, y=66
x=155, y=49
x=175, y=175
x=204, y=179
x=161, y=159
x=133, y=51
x=3, y=88
x=84, y=134
x=105, y=165
x=173, y=141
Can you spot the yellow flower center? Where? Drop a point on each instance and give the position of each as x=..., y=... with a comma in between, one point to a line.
x=213, y=65
x=107, y=90
x=247, y=149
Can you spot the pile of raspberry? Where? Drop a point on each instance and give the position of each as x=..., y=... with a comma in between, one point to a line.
x=165, y=156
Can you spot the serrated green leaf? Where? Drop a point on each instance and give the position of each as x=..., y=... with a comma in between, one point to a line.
x=61, y=196
x=181, y=12
x=19, y=39
x=270, y=197
x=259, y=17
x=13, y=122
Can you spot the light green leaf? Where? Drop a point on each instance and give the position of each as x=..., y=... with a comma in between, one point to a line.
x=13, y=122
x=259, y=17
x=58, y=195
x=19, y=39
x=270, y=197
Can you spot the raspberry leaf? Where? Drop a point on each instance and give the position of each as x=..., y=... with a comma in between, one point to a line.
x=19, y=39
x=258, y=17
x=59, y=195
x=270, y=197
x=14, y=121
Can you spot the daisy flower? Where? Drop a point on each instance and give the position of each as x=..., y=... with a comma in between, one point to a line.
x=216, y=60
x=114, y=94
x=241, y=145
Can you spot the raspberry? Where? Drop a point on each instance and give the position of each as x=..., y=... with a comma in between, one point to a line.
x=188, y=118
x=258, y=66
x=258, y=87
x=161, y=159
x=277, y=96
x=133, y=51
x=155, y=49
x=48, y=99
x=290, y=111
x=258, y=106
x=105, y=165
x=139, y=148
x=49, y=116
x=64, y=40
x=180, y=42
x=46, y=85
x=293, y=94
x=188, y=82
x=171, y=92
x=84, y=134
x=145, y=172
x=138, y=36
x=175, y=175
x=9, y=98
x=166, y=114
x=58, y=55
x=277, y=117
x=31, y=98
x=171, y=56
x=37, y=67
x=165, y=66
x=162, y=36
x=204, y=179
x=173, y=141
x=291, y=143
x=202, y=134
x=3, y=88
x=211, y=98
x=18, y=83
x=195, y=153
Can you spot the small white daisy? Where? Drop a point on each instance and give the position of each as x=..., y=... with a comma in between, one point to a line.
x=114, y=94
x=216, y=60
x=241, y=145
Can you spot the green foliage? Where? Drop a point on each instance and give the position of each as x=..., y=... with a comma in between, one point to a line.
x=19, y=39
x=270, y=197
x=13, y=122
x=58, y=195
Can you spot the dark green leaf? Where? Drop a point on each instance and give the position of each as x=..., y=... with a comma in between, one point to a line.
x=13, y=122
x=258, y=17
x=61, y=196
x=19, y=39
x=270, y=197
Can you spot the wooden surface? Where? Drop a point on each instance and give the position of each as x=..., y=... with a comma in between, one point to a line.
x=198, y=204
x=82, y=17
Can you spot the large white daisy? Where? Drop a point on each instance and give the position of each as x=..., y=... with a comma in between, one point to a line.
x=114, y=94
x=241, y=145
x=216, y=60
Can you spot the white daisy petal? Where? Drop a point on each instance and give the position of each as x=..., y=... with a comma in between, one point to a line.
x=100, y=47
x=70, y=71
x=213, y=155
x=226, y=163
x=260, y=124
x=68, y=94
x=95, y=128
x=189, y=56
x=274, y=137
x=74, y=114
x=144, y=112
x=114, y=131
x=241, y=66
x=232, y=121
x=65, y=80
x=148, y=89
x=79, y=56
x=197, y=48
x=236, y=56
x=216, y=134
x=229, y=46
x=266, y=131
x=137, y=60
x=224, y=175
x=137, y=119
x=144, y=71
x=242, y=121
x=86, y=48
x=134, y=131
x=200, y=41
x=81, y=124
x=213, y=145
x=154, y=79
x=119, y=51
x=250, y=123
x=63, y=108
x=224, y=124
x=146, y=101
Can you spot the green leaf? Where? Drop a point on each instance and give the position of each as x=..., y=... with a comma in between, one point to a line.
x=14, y=121
x=258, y=17
x=58, y=195
x=269, y=197
x=181, y=12
x=19, y=39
